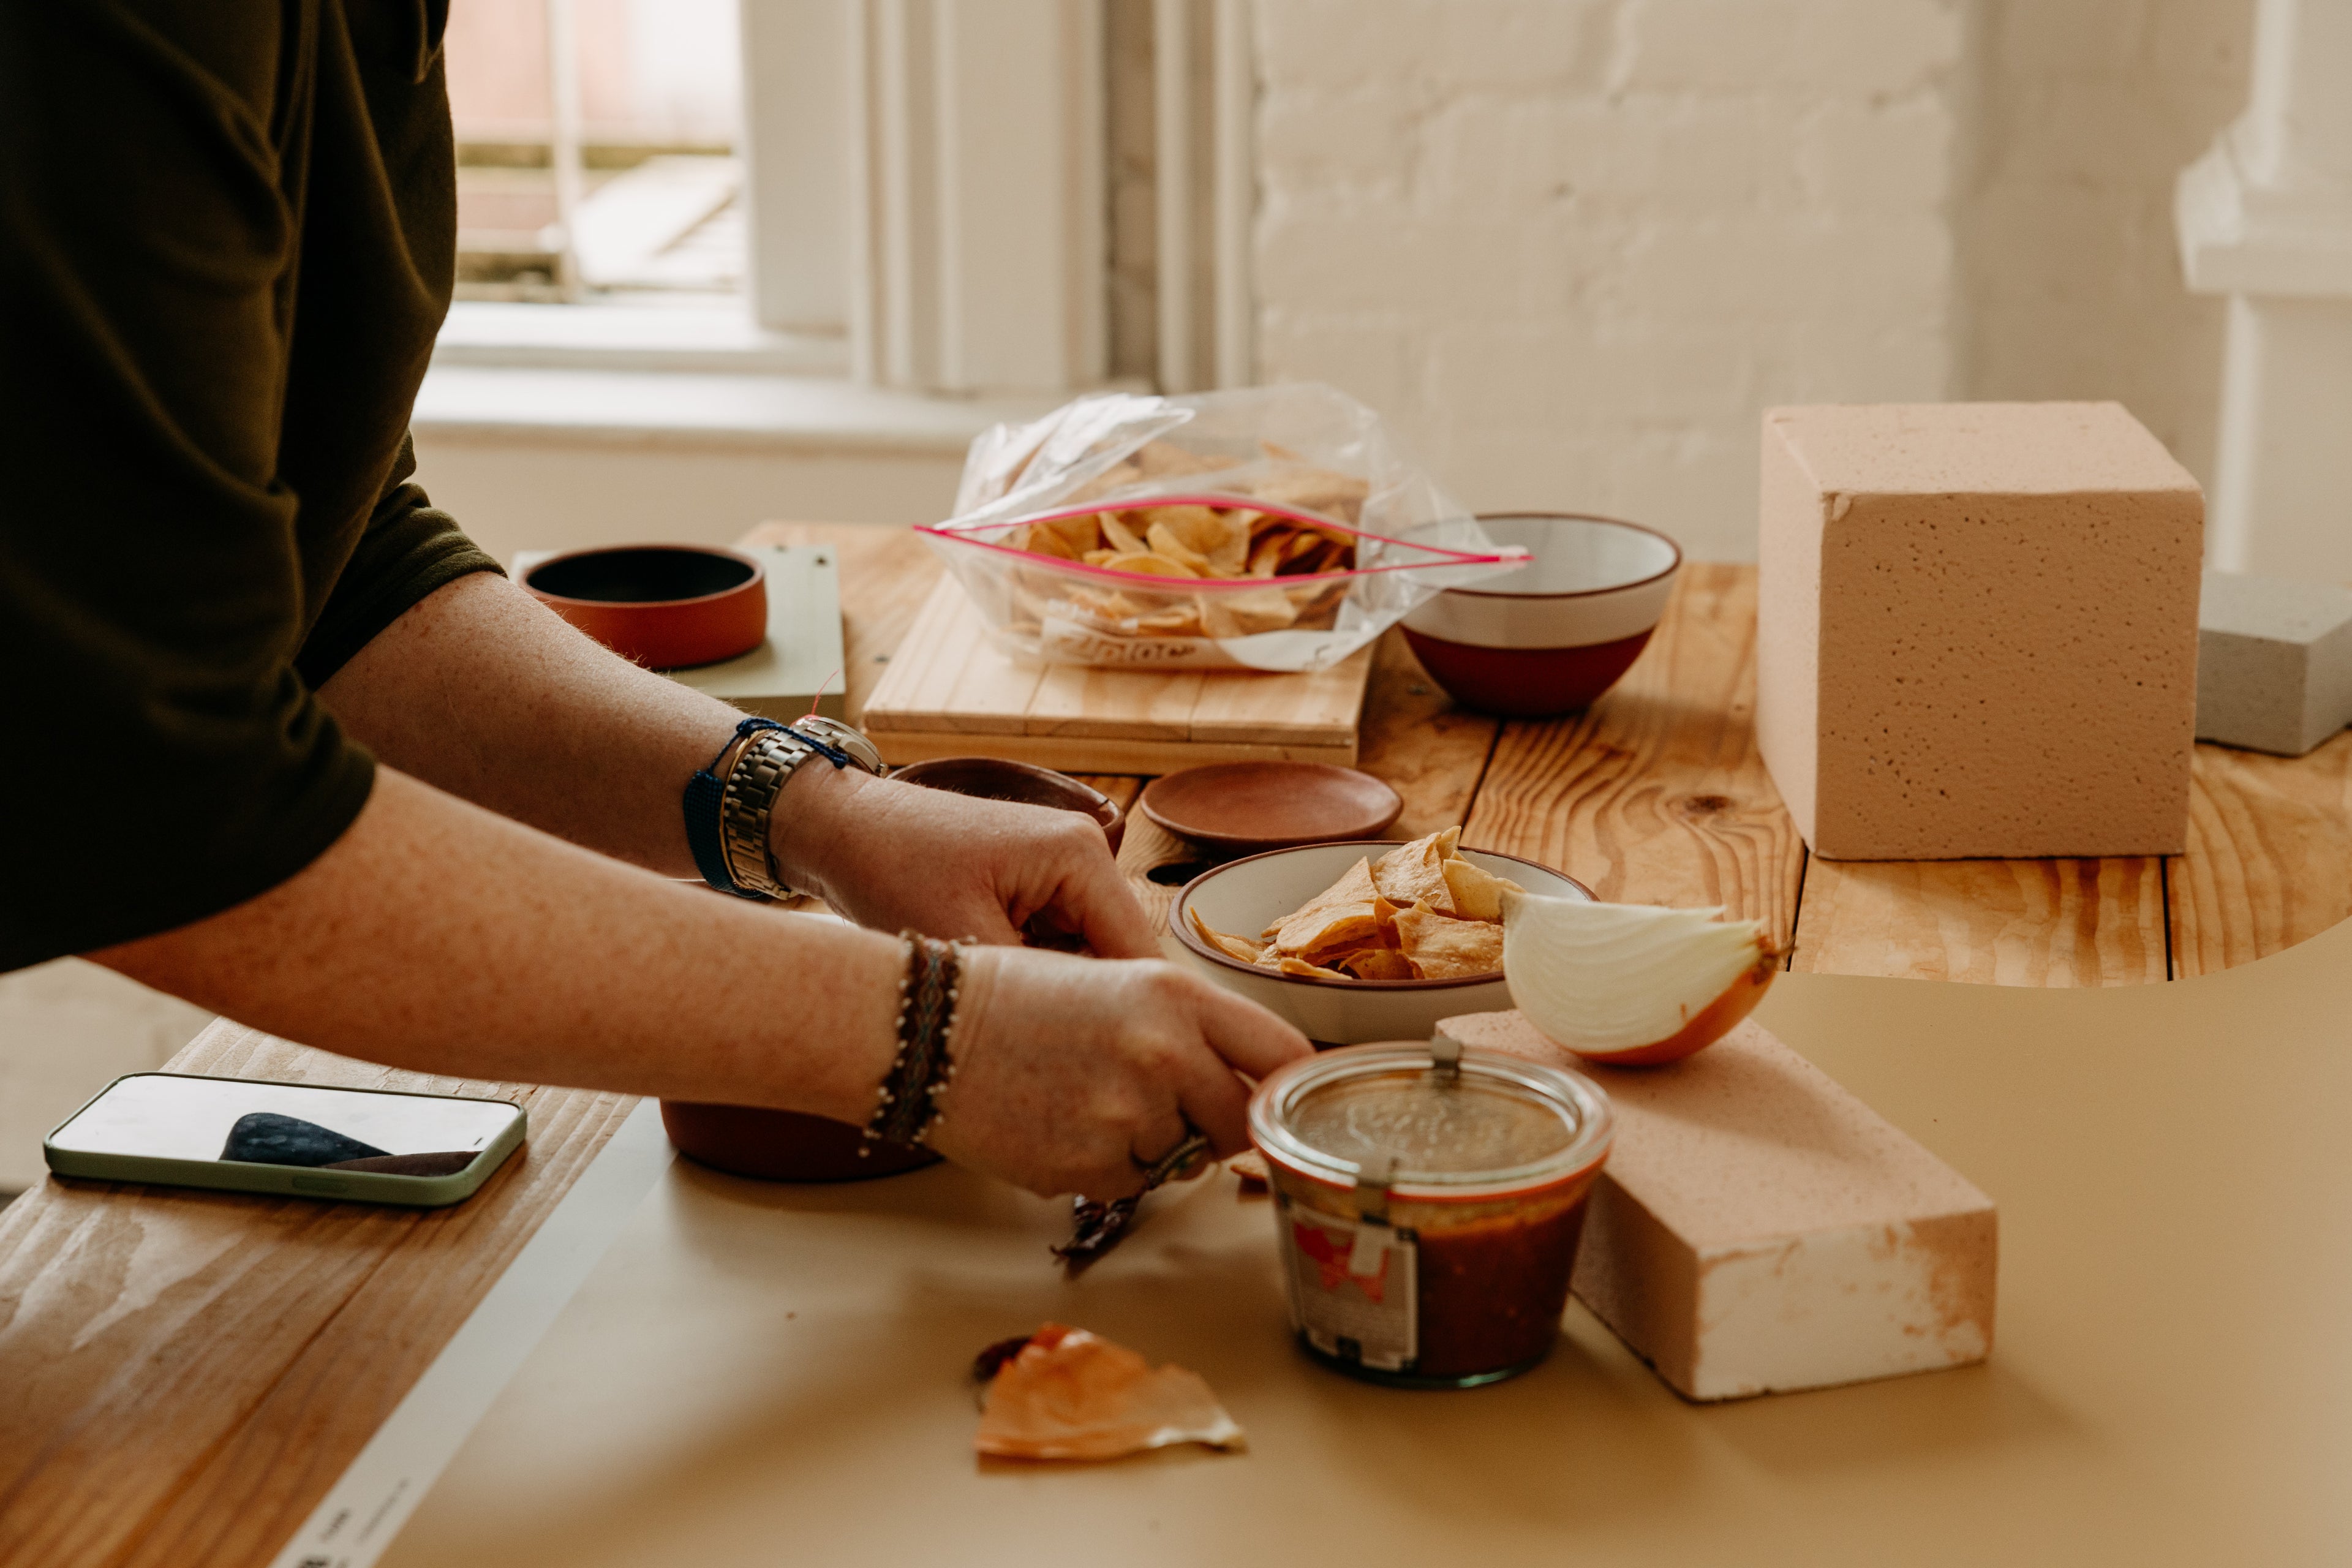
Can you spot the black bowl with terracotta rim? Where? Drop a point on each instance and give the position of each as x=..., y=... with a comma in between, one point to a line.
x=666, y=607
x=1244, y=897
x=1554, y=635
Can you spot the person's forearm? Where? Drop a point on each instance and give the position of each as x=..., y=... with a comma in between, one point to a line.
x=482, y=692
x=437, y=937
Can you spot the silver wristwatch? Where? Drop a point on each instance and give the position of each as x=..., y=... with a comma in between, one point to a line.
x=761, y=764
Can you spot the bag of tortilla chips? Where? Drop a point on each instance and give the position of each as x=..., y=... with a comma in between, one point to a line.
x=1274, y=528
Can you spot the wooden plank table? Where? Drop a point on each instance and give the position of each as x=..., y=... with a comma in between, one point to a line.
x=1658, y=796
x=188, y=1373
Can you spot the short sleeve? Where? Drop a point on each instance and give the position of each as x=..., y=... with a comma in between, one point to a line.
x=410, y=548
x=164, y=757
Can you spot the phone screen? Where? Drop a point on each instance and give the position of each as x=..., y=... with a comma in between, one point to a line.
x=170, y=1116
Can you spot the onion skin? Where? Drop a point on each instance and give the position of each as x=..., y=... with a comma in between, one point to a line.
x=1717, y=1019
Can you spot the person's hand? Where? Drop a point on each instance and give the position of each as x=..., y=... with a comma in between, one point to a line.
x=899, y=856
x=1072, y=1074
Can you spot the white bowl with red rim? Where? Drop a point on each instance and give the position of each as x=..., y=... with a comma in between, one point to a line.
x=1552, y=635
x=1241, y=898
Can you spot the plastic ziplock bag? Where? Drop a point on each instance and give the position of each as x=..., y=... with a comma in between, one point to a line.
x=1274, y=528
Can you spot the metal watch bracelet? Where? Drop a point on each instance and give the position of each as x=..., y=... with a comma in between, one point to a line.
x=763, y=764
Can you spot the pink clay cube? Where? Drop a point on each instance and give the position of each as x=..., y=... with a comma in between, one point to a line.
x=1977, y=630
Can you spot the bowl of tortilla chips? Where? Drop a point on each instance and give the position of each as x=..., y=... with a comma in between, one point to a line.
x=1360, y=940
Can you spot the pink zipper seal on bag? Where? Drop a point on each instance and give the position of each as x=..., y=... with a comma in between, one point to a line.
x=1510, y=556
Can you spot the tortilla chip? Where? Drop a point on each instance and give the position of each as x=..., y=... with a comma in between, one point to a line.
x=1151, y=564
x=1101, y=604
x=1442, y=948
x=1333, y=926
x=1164, y=543
x=1117, y=477
x=1219, y=537
x=1121, y=537
x=1415, y=872
x=1376, y=963
x=1239, y=947
x=1355, y=887
x=1039, y=540
x=1158, y=458
x=1246, y=613
x=1289, y=965
x=1477, y=894
x=1310, y=489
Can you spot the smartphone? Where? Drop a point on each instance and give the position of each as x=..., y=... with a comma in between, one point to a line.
x=250, y=1135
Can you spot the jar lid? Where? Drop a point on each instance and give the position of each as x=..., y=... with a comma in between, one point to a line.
x=1440, y=1122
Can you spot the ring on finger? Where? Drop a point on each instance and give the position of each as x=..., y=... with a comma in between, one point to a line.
x=1194, y=1144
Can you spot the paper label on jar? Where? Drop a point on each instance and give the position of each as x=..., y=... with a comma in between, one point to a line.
x=1354, y=1288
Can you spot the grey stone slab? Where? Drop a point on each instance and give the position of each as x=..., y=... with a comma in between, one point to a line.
x=2273, y=662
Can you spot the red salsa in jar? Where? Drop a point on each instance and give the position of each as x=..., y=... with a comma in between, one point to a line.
x=1428, y=1205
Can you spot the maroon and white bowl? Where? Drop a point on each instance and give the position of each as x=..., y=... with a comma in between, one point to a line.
x=1244, y=897
x=1554, y=635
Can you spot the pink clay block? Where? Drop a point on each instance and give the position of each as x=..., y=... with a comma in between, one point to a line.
x=1758, y=1229
x=1977, y=630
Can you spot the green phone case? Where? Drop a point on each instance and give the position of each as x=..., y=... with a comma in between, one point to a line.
x=291, y=1180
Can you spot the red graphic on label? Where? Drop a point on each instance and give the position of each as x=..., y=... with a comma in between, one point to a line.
x=1330, y=1255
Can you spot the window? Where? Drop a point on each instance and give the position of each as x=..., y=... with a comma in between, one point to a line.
x=918, y=192
x=596, y=148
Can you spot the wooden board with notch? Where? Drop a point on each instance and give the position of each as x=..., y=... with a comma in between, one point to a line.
x=947, y=692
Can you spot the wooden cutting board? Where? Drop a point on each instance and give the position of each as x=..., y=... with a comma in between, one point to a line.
x=949, y=693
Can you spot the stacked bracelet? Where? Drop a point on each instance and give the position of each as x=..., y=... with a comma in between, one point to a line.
x=906, y=1106
x=729, y=803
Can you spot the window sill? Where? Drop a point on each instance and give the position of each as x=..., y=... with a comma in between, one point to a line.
x=692, y=334
x=681, y=408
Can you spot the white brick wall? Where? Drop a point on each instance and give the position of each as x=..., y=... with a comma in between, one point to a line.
x=1573, y=246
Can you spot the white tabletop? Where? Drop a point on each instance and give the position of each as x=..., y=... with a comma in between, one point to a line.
x=759, y=1373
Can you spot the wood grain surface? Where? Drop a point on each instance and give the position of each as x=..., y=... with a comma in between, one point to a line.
x=885, y=574
x=2269, y=855
x=948, y=692
x=1658, y=795
x=2000, y=922
x=188, y=1373
x=1431, y=752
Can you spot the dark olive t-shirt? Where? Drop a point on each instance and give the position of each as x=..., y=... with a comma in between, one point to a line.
x=226, y=239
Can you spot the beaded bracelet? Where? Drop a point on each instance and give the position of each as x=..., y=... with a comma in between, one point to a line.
x=907, y=1104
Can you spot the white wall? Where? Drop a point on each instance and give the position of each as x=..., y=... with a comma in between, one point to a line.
x=521, y=492
x=1575, y=247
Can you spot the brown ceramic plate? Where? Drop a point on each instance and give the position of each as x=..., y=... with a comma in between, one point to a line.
x=1250, y=806
x=992, y=778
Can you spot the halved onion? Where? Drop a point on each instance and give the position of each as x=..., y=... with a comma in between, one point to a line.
x=1630, y=985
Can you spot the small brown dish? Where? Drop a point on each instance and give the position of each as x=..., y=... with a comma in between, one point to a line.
x=1245, y=807
x=783, y=1145
x=992, y=778
x=666, y=607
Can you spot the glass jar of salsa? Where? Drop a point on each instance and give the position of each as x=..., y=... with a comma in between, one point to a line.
x=1428, y=1201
